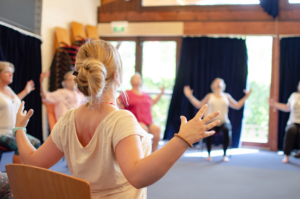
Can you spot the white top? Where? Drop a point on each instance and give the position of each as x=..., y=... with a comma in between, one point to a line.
x=219, y=104
x=64, y=99
x=8, y=112
x=294, y=102
x=96, y=162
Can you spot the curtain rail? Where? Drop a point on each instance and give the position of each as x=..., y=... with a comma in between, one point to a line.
x=20, y=30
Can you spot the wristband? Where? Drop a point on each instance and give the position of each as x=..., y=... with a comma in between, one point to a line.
x=17, y=128
x=179, y=136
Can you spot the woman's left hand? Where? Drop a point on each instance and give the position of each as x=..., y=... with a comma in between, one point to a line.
x=29, y=86
x=162, y=90
x=247, y=93
x=23, y=116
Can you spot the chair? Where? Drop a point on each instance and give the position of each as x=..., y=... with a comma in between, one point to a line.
x=92, y=32
x=51, y=115
x=38, y=183
x=61, y=38
x=77, y=32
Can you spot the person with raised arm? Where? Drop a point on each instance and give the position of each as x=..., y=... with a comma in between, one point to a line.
x=293, y=124
x=221, y=101
x=102, y=144
x=64, y=98
x=140, y=104
x=9, y=105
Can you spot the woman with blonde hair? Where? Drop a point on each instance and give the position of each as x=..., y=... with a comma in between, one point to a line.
x=9, y=105
x=221, y=101
x=105, y=145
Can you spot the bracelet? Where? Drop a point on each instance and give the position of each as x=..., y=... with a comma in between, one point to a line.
x=17, y=128
x=179, y=136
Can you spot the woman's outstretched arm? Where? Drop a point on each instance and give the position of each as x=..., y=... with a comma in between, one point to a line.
x=155, y=100
x=45, y=156
x=188, y=92
x=28, y=88
x=238, y=104
x=143, y=171
x=280, y=106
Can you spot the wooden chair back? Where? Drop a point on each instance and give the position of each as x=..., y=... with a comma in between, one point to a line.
x=61, y=38
x=92, y=32
x=77, y=32
x=38, y=183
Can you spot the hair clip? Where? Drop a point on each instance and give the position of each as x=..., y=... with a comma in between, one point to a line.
x=75, y=73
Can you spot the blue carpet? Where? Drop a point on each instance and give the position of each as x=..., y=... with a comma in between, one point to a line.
x=249, y=174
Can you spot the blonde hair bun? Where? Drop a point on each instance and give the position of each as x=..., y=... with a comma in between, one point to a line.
x=96, y=63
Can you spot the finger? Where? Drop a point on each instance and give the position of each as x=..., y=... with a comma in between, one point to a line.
x=29, y=114
x=208, y=133
x=201, y=112
x=21, y=108
x=25, y=112
x=210, y=117
x=183, y=120
x=33, y=88
x=213, y=124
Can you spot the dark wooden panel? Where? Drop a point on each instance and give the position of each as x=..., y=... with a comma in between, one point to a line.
x=194, y=28
x=134, y=16
x=119, y=6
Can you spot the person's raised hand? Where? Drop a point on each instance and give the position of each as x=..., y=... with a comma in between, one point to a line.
x=197, y=128
x=247, y=93
x=162, y=89
x=29, y=86
x=271, y=102
x=188, y=92
x=22, y=116
x=43, y=75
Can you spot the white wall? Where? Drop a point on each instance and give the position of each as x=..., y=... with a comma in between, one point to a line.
x=61, y=13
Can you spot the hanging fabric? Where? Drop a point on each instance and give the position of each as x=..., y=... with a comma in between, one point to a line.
x=201, y=61
x=270, y=6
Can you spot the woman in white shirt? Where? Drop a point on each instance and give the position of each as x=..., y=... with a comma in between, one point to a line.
x=9, y=105
x=102, y=144
x=63, y=98
x=221, y=101
x=293, y=124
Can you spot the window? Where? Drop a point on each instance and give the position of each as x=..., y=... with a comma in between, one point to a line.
x=156, y=59
x=127, y=52
x=294, y=1
x=159, y=69
x=256, y=112
x=197, y=2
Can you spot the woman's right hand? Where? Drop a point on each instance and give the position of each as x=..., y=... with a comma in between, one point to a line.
x=196, y=129
x=188, y=92
x=271, y=102
x=22, y=116
x=43, y=75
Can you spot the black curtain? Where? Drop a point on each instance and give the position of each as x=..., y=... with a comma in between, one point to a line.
x=201, y=61
x=270, y=6
x=289, y=78
x=25, y=53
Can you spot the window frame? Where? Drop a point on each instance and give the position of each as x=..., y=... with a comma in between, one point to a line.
x=139, y=48
x=198, y=7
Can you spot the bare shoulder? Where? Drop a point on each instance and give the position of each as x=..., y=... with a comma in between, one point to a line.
x=208, y=95
x=228, y=95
